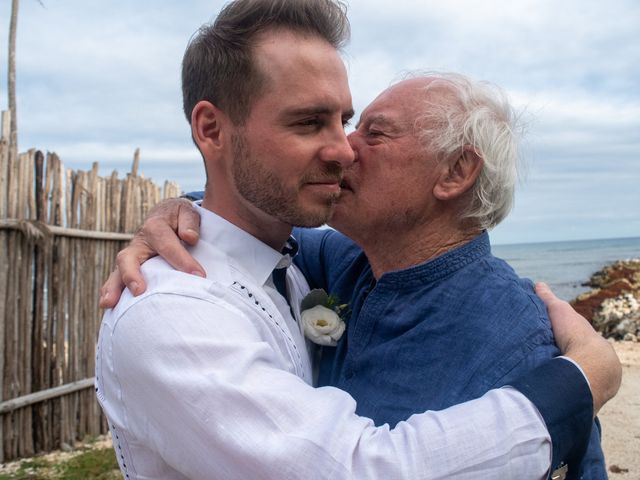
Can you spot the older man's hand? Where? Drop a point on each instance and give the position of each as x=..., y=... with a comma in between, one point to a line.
x=580, y=342
x=166, y=225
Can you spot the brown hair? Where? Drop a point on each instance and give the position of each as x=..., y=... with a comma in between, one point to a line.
x=218, y=65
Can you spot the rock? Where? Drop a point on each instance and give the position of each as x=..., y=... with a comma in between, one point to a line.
x=613, y=306
x=630, y=337
x=617, y=469
x=621, y=270
x=587, y=304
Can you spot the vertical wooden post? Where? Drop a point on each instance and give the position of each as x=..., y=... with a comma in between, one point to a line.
x=39, y=299
x=4, y=262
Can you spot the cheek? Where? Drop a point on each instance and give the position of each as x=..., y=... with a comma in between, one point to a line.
x=386, y=185
x=293, y=162
x=286, y=164
x=375, y=200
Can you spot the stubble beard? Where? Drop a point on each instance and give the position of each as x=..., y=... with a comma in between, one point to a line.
x=264, y=190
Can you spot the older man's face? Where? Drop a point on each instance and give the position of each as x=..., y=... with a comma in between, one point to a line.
x=390, y=184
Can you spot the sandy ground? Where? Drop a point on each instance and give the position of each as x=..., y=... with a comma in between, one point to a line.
x=620, y=418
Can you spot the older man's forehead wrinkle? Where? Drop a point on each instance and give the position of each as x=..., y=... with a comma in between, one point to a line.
x=379, y=118
x=393, y=125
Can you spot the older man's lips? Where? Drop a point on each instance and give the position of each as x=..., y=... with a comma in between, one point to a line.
x=345, y=185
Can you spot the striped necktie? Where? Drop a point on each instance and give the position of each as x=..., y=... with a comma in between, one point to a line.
x=279, y=274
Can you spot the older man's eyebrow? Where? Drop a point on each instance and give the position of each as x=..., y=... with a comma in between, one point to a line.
x=379, y=119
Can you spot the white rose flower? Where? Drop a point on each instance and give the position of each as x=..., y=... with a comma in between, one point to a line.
x=322, y=325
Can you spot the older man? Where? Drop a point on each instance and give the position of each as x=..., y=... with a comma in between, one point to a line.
x=206, y=377
x=436, y=319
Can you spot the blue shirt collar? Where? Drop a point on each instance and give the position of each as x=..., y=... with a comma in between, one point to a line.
x=442, y=265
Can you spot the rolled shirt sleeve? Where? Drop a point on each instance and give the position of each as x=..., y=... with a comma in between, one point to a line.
x=563, y=398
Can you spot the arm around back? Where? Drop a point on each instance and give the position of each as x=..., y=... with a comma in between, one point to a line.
x=210, y=395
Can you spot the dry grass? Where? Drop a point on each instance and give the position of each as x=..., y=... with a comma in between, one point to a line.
x=94, y=460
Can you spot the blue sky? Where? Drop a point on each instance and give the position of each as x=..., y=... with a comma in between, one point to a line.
x=97, y=79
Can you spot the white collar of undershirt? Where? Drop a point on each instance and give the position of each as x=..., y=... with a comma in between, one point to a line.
x=243, y=250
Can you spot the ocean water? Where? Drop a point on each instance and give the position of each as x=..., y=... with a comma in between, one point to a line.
x=565, y=266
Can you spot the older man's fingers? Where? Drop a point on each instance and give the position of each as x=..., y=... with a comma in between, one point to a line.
x=188, y=224
x=128, y=261
x=169, y=222
x=545, y=293
x=158, y=237
x=179, y=258
x=568, y=326
x=111, y=290
x=549, y=298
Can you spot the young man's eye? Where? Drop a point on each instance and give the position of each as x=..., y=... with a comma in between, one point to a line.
x=310, y=122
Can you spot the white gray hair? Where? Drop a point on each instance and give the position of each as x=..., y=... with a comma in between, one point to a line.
x=477, y=115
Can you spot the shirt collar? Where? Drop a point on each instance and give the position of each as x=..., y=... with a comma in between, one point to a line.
x=242, y=249
x=443, y=265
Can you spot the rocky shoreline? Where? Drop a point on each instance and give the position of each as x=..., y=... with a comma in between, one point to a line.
x=613, y=304
x=613, y=308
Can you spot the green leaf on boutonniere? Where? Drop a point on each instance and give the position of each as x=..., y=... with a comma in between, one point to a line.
x=315, y=297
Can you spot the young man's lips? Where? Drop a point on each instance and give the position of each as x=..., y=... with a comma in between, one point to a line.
x=328, y=186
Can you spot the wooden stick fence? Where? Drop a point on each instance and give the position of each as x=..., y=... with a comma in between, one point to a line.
x=59, y=233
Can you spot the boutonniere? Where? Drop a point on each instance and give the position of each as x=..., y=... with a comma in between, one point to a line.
x=323, y=317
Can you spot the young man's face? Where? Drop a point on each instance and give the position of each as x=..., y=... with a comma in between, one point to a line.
x=289, y=155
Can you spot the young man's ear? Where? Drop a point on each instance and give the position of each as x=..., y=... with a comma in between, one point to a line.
x=460, y=175
x=207, y=123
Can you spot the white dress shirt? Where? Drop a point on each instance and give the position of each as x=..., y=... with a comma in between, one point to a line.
x=210, y=379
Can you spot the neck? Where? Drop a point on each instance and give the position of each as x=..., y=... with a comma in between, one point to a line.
x=394, y=250
x=264, y=227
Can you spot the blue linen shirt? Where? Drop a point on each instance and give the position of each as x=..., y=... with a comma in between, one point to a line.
x=433, y=335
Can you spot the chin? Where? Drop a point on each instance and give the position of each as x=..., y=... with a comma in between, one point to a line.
x=309, y=217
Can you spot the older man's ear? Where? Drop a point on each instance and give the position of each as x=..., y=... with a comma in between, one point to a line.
x=459, y=175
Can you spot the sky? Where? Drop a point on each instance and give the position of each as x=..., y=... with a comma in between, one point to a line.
x=98, y=79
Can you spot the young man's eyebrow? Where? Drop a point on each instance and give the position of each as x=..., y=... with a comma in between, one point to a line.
x=319, y=110
x=349, y=113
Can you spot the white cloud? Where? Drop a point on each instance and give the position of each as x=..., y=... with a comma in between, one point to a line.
x=98, y=79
